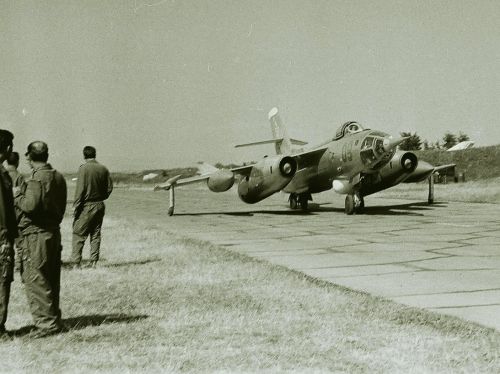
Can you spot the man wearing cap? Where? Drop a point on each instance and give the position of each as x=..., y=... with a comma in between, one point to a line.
x=8, y=229
x=93, y=186
x=43, y=203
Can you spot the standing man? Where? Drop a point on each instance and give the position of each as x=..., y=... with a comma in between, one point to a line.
x=17, y=181
x=12, y=165
x=8, y=229
x=94, y=185
x=43, y=203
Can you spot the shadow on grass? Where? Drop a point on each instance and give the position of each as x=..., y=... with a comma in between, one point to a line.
x=81, y=322
x=407, y=209
x=102, y=264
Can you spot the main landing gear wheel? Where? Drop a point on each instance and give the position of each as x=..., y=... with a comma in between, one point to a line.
x=349, y=204
x=299, y=201
x=354, y=204
x=304, y=202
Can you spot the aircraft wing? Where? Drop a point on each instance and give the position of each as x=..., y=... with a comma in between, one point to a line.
x=243, y=170
x=309, y=158
x=443, y=167
x=179, y=182
x=304, y=159
x=423, y=170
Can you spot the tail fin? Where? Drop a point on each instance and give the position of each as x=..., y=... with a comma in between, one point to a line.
x=279, y=132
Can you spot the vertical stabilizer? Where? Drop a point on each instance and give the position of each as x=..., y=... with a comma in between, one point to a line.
x=279, y=132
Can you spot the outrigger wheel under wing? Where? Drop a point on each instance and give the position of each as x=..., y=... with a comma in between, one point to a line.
x=169, y=185
x=173, y=182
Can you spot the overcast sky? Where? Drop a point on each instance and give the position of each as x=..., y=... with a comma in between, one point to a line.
x=169, y=83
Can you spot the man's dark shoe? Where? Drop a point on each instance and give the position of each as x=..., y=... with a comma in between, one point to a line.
x=4, y=334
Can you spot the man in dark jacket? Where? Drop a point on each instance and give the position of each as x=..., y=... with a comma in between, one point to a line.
x=12, y=165
x=93, y=186
x=17, y=181
x=8, y=229
x=43, y=203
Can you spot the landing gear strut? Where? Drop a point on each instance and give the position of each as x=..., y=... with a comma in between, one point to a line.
x=430, y=199
x=299, y=201
x=171, y=201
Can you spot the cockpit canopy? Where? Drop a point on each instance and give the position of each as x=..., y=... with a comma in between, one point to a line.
x=350, y=127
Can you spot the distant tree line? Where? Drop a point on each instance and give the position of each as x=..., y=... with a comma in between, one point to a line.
x=415, y=143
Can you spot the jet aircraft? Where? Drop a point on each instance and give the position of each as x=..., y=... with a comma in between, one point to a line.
x=344, y=162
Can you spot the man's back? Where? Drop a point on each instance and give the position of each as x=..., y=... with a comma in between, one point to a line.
x=94, y=183
x=45, y=203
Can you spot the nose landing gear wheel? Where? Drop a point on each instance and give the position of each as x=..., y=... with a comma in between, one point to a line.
x=349, y=204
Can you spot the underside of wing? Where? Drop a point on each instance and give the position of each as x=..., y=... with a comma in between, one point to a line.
x=243, y=170
x=176, y=181
x=309, y=158
x=443, y=167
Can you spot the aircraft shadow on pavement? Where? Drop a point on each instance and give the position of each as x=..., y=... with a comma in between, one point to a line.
x=81, y=322
x=408, y=209
x=398, y=209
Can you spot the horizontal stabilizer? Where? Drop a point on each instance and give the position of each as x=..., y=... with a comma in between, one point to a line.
x=272, y=141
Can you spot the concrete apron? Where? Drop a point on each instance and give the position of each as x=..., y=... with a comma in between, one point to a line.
x=444, y=257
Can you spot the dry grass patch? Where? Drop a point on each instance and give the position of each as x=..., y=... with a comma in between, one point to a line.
x=161, y=303
x=483, y=191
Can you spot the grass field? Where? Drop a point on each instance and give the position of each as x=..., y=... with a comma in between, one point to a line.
x=481, y=191
x=162, y=303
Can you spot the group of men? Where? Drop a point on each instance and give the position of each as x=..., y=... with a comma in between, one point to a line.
x=31, y=212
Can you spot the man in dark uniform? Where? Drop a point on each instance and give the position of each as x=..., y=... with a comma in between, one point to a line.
x=12, y=165
x=8, y=229
x=17, y=181
x=93, y=186
x=43, y=203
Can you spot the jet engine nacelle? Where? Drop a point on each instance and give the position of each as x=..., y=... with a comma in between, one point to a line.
x=268, y=176
x=401, y=166
x=220, y=181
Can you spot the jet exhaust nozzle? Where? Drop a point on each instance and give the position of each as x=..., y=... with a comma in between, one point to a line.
x=288, y=166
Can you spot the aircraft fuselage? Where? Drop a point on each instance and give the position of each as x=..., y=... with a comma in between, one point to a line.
x=344, y=159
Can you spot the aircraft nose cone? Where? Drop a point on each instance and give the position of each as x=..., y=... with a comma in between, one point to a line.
x=391, y=143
